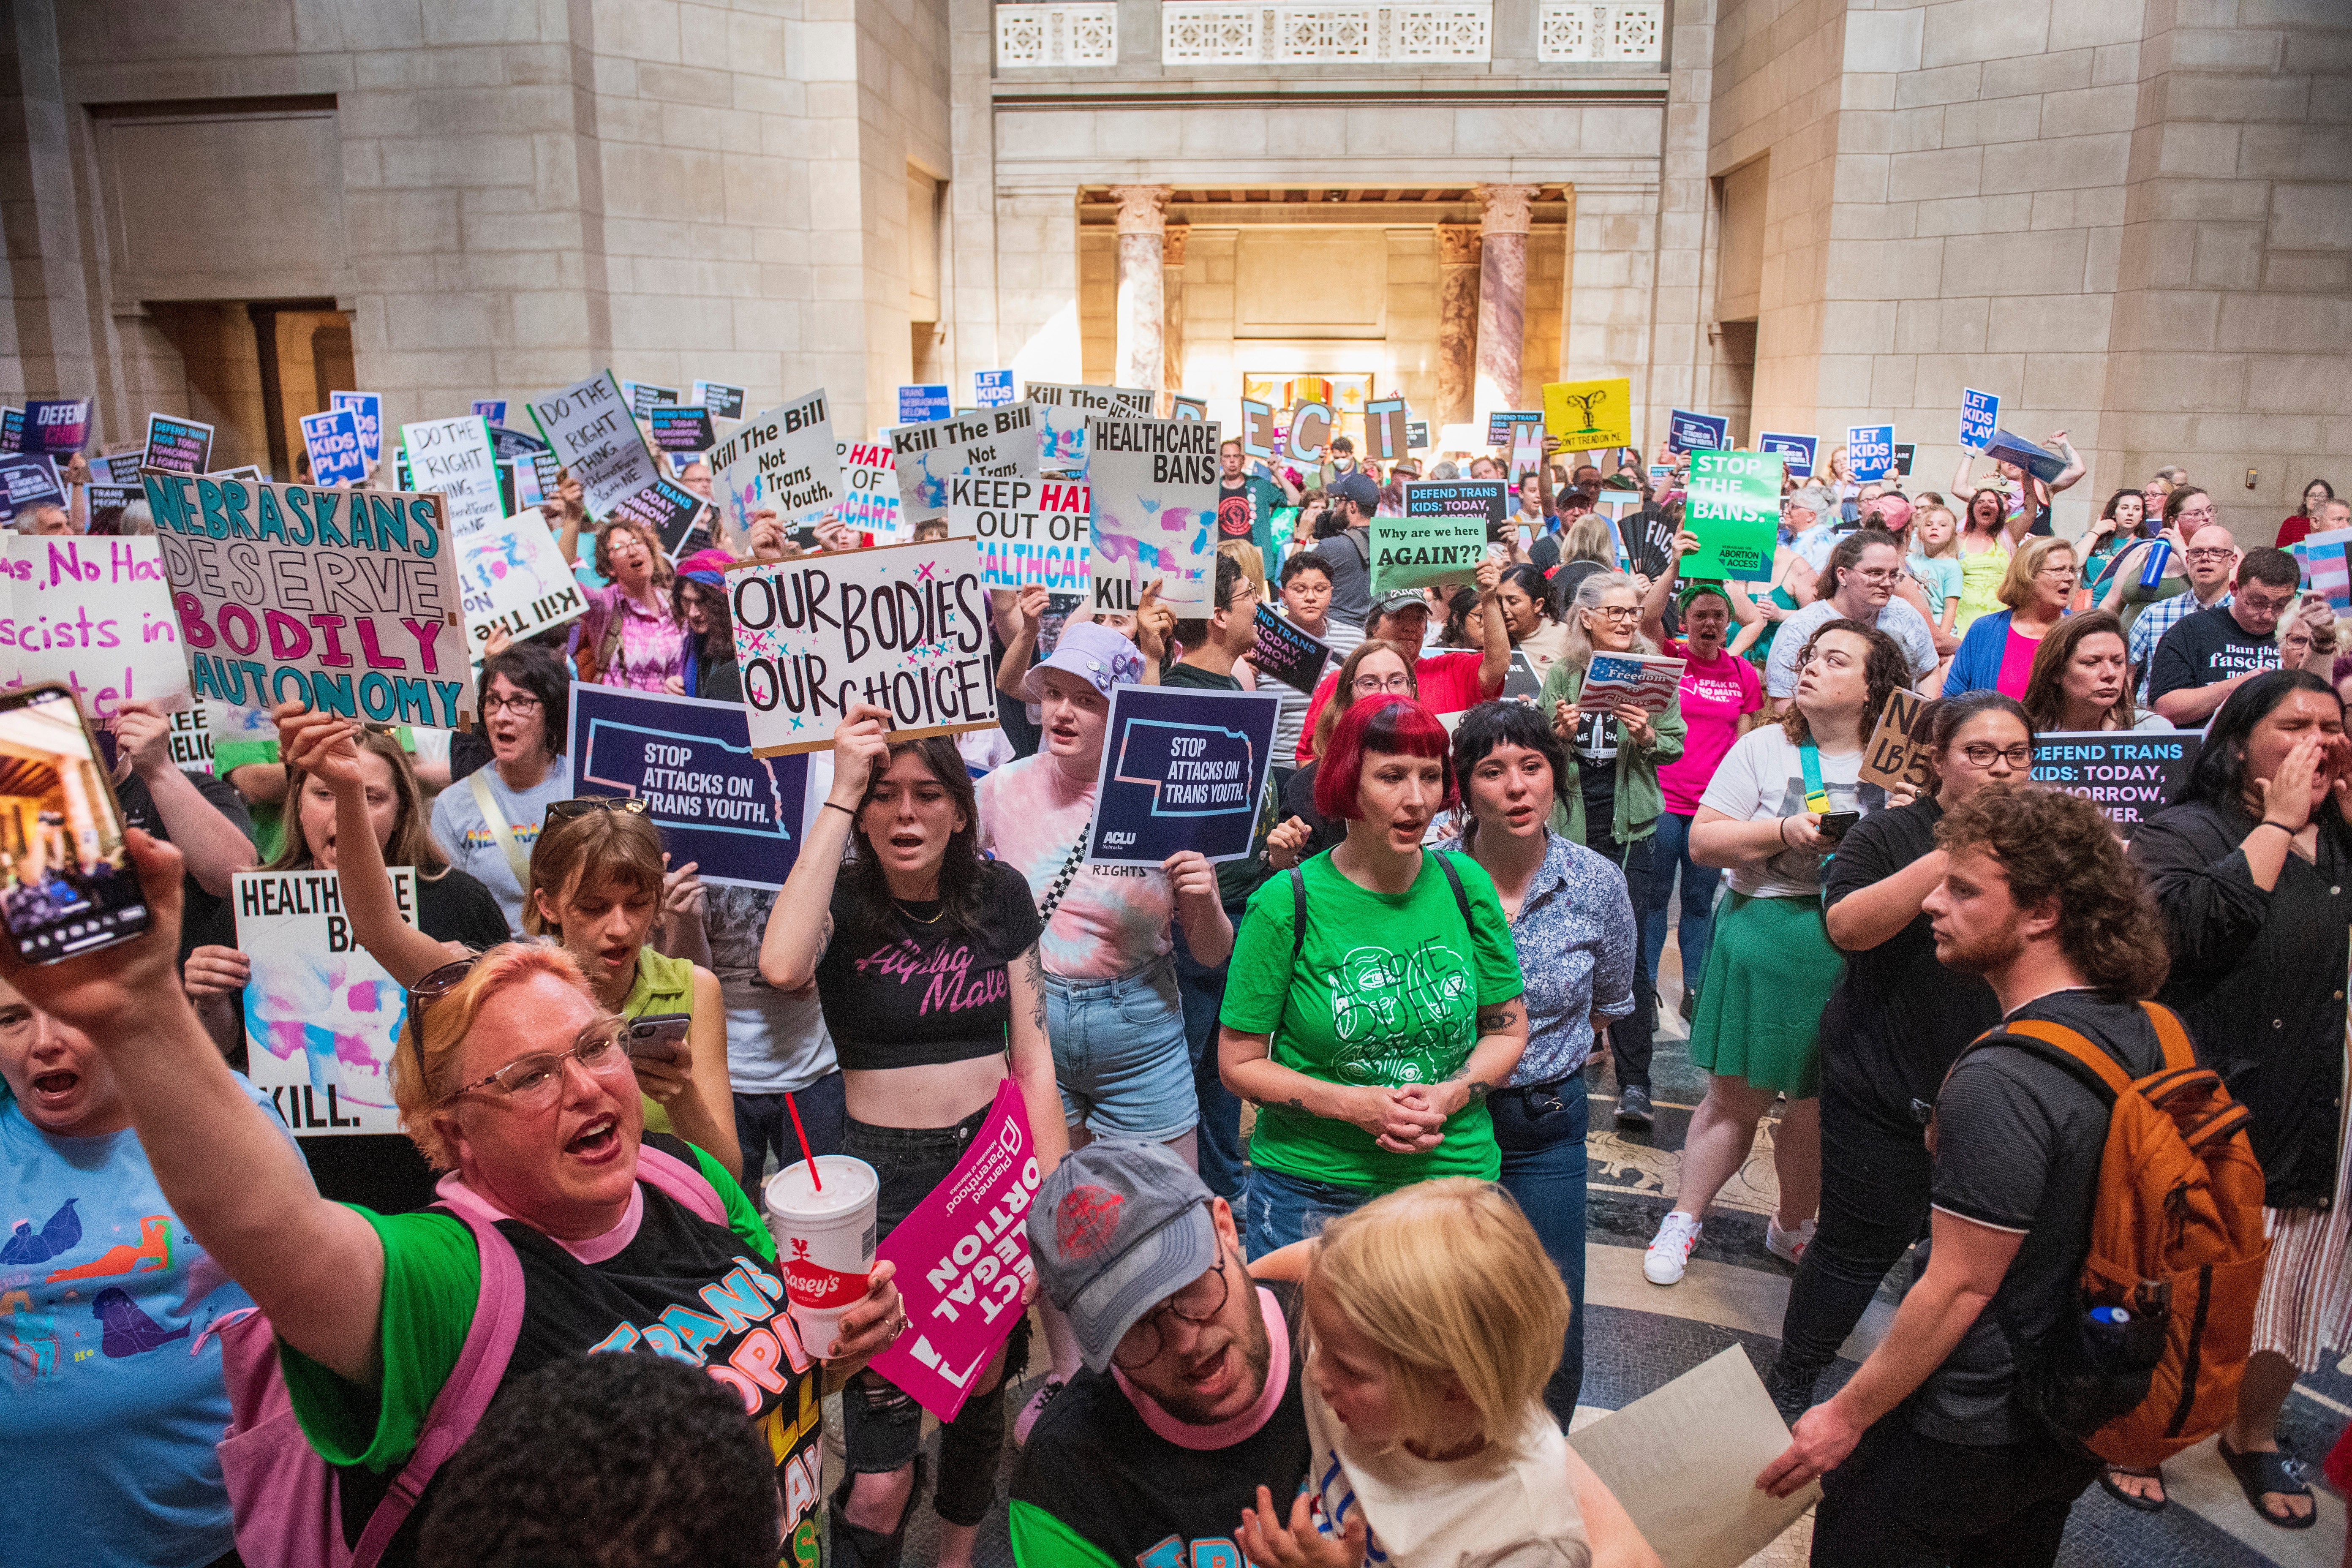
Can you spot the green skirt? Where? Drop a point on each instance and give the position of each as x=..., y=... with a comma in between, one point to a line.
x=1771, y=968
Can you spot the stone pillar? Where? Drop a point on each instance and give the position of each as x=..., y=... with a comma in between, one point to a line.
x=1458, y=320
x=1502, y=292
x=1142, y=325
x=1171, y=284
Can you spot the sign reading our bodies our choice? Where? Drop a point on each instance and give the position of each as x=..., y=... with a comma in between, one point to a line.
x=1181, y=769
x=322, y=1015
x=347, y=600
x=735, y=815
x=1032, y=534
x=904, y=626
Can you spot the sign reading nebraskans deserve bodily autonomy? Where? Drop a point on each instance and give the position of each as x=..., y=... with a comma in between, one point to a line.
x=735, y=815
x=1154, y=488
x=904, y=626
x=2128, y=774
x=347, y=600
x=1181, y=769
x=322, y=1015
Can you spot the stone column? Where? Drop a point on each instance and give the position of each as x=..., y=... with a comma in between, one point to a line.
x=1171, y=284
x=1142, y=324
x=1502, y=292
x=1458, y=320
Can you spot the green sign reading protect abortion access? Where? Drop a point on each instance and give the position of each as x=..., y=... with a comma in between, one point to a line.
x=1735, y=510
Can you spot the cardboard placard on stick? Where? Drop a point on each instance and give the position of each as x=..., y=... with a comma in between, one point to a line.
x=996, y=442
x=1898, y=754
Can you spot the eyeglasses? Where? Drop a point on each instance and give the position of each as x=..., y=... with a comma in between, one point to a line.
x=1617, y=612
x=1886, y=576
x=533, y=1081
x=492, y=702
x=1197, y=1304
x=589, y=805
x=1371, y=685
x=2059, y=572
x=2222, y=554
x=1983, y=756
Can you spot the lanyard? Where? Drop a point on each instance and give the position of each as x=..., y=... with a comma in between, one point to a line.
x=1817, y=798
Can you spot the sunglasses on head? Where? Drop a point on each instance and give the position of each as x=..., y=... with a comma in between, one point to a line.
x=430, y=988
x=589, y=805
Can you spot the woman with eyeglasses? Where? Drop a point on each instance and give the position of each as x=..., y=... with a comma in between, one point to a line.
x=488, y=820
x=1374, y=669
x=514, y=1079
x=631, y=634
x=2082, y=680
x=1892, y=1027
x=924, y=956
x=1996, y=654
x=2303, y=520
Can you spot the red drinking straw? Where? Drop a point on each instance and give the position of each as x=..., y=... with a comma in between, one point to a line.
x=795, y=1107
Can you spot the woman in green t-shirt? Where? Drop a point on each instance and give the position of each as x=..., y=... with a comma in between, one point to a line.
x=1368, y=1038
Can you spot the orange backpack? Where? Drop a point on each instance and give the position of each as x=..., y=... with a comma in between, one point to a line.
x=2177, y=1241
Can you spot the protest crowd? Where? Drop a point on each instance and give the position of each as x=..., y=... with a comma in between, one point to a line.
x=1141, y=1008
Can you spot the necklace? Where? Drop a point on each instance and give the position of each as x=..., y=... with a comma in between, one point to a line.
x=919, y=920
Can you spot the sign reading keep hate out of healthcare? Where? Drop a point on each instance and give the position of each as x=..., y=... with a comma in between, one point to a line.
x=1032, y=534
x=870, y=487
x=735, y=816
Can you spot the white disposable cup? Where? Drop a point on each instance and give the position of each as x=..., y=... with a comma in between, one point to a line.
x=824, y=1242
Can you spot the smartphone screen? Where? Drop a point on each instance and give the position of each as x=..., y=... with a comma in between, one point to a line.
x=1837, y=824
x=69, y=887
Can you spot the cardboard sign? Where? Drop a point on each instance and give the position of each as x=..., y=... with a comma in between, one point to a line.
x=962, y=1259
x=1588, y=413
x=918, y=404
x=1258, y=436
x=1386, y=423
x=58, y=426
x=1310, y=431
x=512, y=575
x=95, y=615
x=1898, y=754
x=11, y=428
x=723, y=401
x=1647, y=682
x=452, y=458
x=1032, y=534
x=1979, y=417
x=997, y=443
x=2039, y=461
x=1153, y=484
x=645, y=397
x=904, y=626
x=321, y=1016
x=1795, y=452
x=992, y=389
x=1181, y=769
x=1488, y=500
x=177, y=445
x=2128, y=774
x=784, y=459
x=28, y=479
x=1062, y=419
x=346, y=600
x=1180, y=406
x=1870, y=451
x=191, y=738
x=1733, y=507
x=332, y=441
x=683, y=427
x=588, y=427
x=1420, y=552
x=869, y=488
x=673, y=512
x=367, y=413
x=735, y=815
x=1500, y=423
x=1286, y=654
x=1688, y=432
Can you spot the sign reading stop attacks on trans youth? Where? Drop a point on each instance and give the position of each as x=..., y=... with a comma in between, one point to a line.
x=345, y=600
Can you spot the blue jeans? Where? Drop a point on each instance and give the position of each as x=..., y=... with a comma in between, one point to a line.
x=1278, y=1210
x=1202, y=991
x=1543, y=1132
x=1119, y=1054
x=1669, y=853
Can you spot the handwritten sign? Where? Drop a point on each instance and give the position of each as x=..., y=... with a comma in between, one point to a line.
x=1153, y=484
x=1182, y=769
x=1438, y=544
x=1258, y=436
x=1979, y=417
x=1735, y=511
x=346, y=600
x=452, y=458
x=512, y=577
x=1588, y=413
x=56, y=425
x=998, y=443
x=869, y=488
x=1063, y=412
x=332, y=441
x=95, y=615
x=191, y=738
x=1385, y=423
x=1647, y=682
x=1688, y=432
x=367, y=413
x=1899, y=755
x=1286, y=652
x=785, y=460
x=589, y=426
x=690, y=762
x=177, y=445
x=1031, y=533
x=2128, y=774
x=1795, y=452
x=322, y=1015
x=904, y=626
x=1870, y=451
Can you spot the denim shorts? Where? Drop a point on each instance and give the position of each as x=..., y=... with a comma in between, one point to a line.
x=1119, y=1054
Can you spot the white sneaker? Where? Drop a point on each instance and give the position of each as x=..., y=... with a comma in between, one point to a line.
x=1788, y=1243
x=1670, y=1249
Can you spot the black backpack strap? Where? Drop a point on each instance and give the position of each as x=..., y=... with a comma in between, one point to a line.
x=1461, y=896
x=1298, y=915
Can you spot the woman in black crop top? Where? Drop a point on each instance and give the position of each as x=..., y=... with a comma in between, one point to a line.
x=925, y=961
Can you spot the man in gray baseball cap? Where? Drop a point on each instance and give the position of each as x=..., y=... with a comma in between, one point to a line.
x=1189, y=1400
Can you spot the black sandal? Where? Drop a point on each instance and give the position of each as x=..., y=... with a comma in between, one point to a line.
x=2273, y=1472
x=2107, y=1474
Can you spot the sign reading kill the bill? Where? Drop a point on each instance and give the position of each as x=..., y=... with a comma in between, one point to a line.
x=784, y=459
x=904, y=626
x=590, y=428
x=1061, y=416
x=995, y=443
x=514, y=578
x=1153, y=485
x=347, y=600
x=1032, y=534
x=321, y=1016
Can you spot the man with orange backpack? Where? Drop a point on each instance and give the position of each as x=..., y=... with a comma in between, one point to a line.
x=2095, y=1243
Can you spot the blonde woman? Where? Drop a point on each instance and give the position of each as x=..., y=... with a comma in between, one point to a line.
x=1998, y=652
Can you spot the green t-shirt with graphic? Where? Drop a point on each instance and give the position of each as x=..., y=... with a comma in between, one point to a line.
x=1386, y=991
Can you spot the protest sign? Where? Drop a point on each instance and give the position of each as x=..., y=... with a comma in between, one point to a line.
x=963, y=1261
x=492, y=409
x=1588, y=413
x=58, y=426
x=332, y=441
x=1642, y=679
x=683, y=427
x=367, y=413
x=1258, y=436
x=1735, y=510
x=1180, y=406
x=1526, y=451
x=104, y=498
x=735, y=816
x=250, y=473
x=992, y=389
x=1310, y=431
x=1688, y=432
x=918, y=404
x=590, y=427
x=1979, y=417
x=1870, y=451
x=1385, y=423
x=512, y=575
x=1286, y=654
x=2130, y=774
x=322, y=1015
x=1904, y=452
x=904, y=626
x=2324, y=567
x=785, y=460
x=11, y=428
x=869, y=488
x=275, y=584
x=95, y=615
x=1499, y=424
x=191, y=738
x=644, y=396
x=1416, y=434
x=2039, y=461
x=452, y=458
x=1898, y=753
x=1153, y=484
x=1181, y=769
x=1795, y=452
x=28, y=479
x=1032, y=534
x=1441, y=538
x=1488, y=500
x=724, y=402
x=1061, y=418
x=117, y=467
x=177, y=446
x=672, y=511
x=999, y=443
x=512, y=446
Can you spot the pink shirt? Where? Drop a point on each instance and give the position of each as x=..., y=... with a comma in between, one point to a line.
x=1114, y=919
x=1715, y=696
x=2016, y=663
x=653, y=647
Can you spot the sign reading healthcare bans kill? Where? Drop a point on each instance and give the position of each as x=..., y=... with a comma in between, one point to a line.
x=1441, y=538
x=2128, y=774
x=783, y=459
x=322, y=1015
x=1181, y=769
x=1154, y=489
x=904, y=626
x=735, y=815
x=1032, y=534
x=346, y=600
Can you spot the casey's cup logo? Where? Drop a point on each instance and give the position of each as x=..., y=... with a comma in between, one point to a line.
x=812, y=1284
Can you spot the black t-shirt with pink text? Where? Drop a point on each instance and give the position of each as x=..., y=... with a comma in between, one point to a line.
x=928, y=991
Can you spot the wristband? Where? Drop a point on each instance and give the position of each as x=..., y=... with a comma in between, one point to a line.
x=1780, y=831
x=2282, y=827
x=836, y=805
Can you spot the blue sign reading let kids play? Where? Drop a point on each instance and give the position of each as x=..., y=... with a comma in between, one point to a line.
x=332, y=441
x=1979, y=417
x=1870, y=450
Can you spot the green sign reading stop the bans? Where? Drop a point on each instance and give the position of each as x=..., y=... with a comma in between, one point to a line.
x=1735, y=510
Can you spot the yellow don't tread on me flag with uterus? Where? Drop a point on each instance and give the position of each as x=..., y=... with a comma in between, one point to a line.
x=1584, y=415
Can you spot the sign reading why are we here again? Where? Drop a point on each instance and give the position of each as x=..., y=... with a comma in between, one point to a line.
x=347, y=600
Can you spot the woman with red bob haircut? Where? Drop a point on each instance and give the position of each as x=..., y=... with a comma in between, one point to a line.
x=1374, y=997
